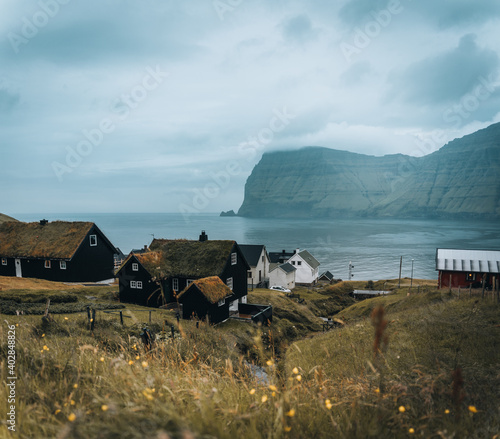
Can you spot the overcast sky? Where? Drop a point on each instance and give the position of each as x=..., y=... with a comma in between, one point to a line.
x=165, y=106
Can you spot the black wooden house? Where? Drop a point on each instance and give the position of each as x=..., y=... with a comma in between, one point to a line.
x=207, y=298
x=57, y=251
x=156, y=277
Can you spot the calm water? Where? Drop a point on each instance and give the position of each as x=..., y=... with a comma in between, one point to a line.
x=373, y=245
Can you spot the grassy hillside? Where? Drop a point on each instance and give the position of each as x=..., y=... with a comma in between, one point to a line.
x=239, y=380
x=4, y=218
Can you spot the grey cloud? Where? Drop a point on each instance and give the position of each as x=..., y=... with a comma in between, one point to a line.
x=298, y=29
x=444, y=13
x=8, y=100
x=444, y=78
x=356, y=73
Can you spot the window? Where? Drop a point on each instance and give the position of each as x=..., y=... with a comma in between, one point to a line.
x=293, y=262
x=470, y=277
x=175, y=284
x=62, y=265
x=263, y=259
x=139, y=285
x=299, y=262
x=234, y=258
x=249, y=275
x=47, y=264
x=229, y=283
x=189, y=282
x=222, y=302
x=4, y=261
x=93, y=240
x=133, y=284
x=135, y=266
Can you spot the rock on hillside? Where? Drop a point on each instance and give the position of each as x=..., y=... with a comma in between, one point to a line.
x=462, y=179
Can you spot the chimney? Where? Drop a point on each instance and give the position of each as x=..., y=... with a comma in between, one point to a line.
x=43, y=222
x=203, y=236
x=284, y=252
x=297, y=251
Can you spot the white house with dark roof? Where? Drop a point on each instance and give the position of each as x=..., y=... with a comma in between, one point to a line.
x=258, y=259
x=307, y=267
x=282, y=275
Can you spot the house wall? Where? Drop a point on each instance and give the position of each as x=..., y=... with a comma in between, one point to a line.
x=9, y=269
x=195, y=305
x=262, y=267
x=459, y=279
x=282, y=278
x=148, y=295
x=238, y=272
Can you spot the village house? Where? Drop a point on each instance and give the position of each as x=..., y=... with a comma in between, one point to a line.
x=464, y=268
x=258, y=259
x=307, y=267
x=327, y=276
x=282, y=275
x=206, y=298
x=156, y=277
x=57, y=251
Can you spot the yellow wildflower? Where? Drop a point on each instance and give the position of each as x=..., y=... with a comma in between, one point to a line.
x=57, y=412
x=144, y=364
x=101, y=359
x=273, y=388
x=75, y=386
x=290, y=413
x=45, y=348
x=131, y=362
x=104, y=408
x=65, y=318
x=377, y=390
x=137, y=357
x=72, y=402
x=295, y=371
x=447, y=412
x=264, y=398
x=402, y=409
x=43, y=335
x=71, y=417
x=411, y=430
x=288, y=429
x=472, y=409
x=328, y=404
x=270, y=362
x=298, y=378
x=252, y=391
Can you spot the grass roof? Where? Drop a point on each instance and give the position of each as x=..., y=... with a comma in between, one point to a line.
x=54, y=240
x=211, y=287
x=186, y=258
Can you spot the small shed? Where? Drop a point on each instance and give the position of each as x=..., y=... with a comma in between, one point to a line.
x=464, y=268
x=326, y=277
x=206, y=298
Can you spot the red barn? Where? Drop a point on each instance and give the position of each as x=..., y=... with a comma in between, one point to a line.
x=464, y=268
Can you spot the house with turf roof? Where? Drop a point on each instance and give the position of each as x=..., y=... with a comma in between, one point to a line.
x=158, y=276
x=207, y=298
x=58, y=251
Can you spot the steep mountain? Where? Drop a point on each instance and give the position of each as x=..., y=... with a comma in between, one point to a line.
x=4, y=218
x=462, y=179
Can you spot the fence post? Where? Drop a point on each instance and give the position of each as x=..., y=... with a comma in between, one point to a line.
x=92, y=320
x=459, y=291
x=470, y=291
x=121, y=317
x=149, y=316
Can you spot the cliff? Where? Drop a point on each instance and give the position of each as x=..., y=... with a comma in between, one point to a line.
x=462, y=179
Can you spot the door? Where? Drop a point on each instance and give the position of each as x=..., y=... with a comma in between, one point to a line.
x=19, y=272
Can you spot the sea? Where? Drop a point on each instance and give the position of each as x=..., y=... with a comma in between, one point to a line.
x=373, y=247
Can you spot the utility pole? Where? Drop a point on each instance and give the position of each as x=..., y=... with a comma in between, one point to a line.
x=411, y=279
x=350, y=270
x=400, y=265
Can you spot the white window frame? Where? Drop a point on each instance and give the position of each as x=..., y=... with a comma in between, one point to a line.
x=135, y=266
x=221, y=302
x=93, y=240
x=4, y=261
x=189, y=282
x=229, y=283
x=62, y=265
x=139, y=285
x=133, y=284
x=47, y=264
x=175, y=285
x=234, y=258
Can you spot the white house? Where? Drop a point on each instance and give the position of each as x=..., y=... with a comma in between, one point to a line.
x=283, y=275
x=258, y=259
x=307, y=267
